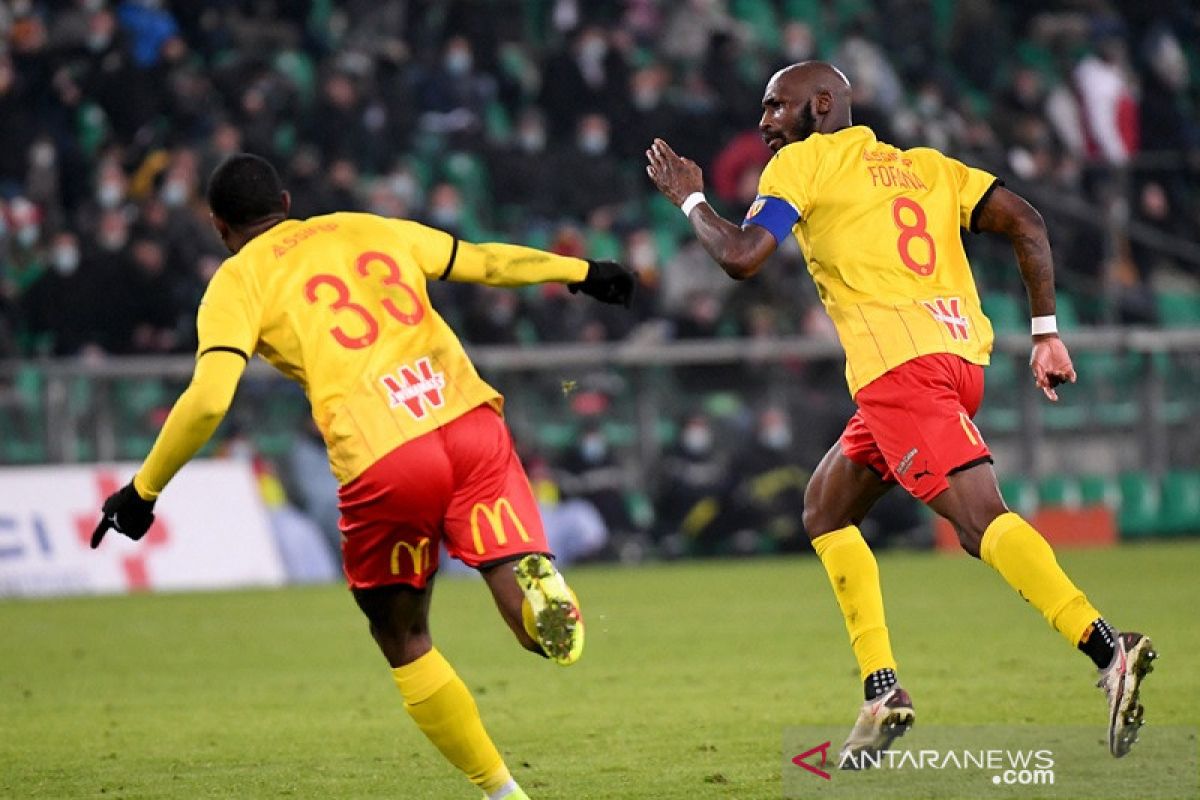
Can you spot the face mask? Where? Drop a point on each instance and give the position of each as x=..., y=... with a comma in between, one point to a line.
x=109, y=195
x=99, y=42
x=445, y=216
x=929, y=104
x=175, y=193
x=593, y=142
x=646, y=99
x=697, y=440
x=776, y=437
x=65, y=260
x=27, y=236
x=593, y=50
x=643, y=255
x=500, y=314
x=42, y=155
x=112, y=242
x=458, y=62
x=403, y=186
x=593, y=449
x=532, y=140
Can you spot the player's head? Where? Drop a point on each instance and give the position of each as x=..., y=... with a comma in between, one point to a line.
x=803, y=99
x=245, y=197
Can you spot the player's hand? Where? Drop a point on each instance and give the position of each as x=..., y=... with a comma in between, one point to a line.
x=1051, y=364
x=675, y=176
x=124, y=512
x=608, y=282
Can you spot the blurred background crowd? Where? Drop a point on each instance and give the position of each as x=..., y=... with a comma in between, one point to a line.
x=526, y=120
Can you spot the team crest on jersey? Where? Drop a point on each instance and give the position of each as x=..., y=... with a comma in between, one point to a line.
x=417, y=387
x=756, y=207
x=946, y=310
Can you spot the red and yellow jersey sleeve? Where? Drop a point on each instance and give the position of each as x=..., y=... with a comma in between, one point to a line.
x=880, y=229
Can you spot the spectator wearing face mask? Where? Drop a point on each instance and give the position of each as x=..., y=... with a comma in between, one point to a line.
x=149, y=311
x=589, y=77
x=589, y=470
x=453, y=95
x=767, y=501
x=690, y=510
x=589, y=176
x=648, y=113
x=58, y=311
x=523, y=182
x=25, y=256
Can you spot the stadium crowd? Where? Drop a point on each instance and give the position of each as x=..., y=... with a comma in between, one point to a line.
x=525, y=120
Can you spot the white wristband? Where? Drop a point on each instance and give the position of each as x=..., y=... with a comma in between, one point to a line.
x=691, y=201
x=1046, y=324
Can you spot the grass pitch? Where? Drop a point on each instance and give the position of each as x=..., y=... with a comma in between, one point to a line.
x=691, y=674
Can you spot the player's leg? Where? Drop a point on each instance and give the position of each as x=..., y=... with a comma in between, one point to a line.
x=391, y=527
x=492, y=523
x=1014, y=548
x=921, y=417
x=538, y=605
x=839, y=495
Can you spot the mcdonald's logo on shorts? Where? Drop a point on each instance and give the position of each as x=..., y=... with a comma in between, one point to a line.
x=418, y=555
x=496, y=513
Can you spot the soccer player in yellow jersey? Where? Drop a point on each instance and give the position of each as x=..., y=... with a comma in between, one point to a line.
x=415, y=438
x=880, y=230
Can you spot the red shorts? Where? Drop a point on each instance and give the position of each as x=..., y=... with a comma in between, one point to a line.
x=461, y=484
x=913, y=425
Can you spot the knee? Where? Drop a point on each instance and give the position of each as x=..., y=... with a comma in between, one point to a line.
x=818, y=521
x=402, y=647
x=969, y=539
x=971, y=530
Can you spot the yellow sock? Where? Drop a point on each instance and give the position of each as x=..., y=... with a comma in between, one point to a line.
x=855, y=579
x=441, y=705
x=1015, y=549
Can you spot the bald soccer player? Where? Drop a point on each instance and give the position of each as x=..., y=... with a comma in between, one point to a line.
x=880, y=230
x=339, y=303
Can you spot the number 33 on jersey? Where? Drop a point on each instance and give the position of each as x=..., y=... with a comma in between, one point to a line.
x=880, y=229
x=380, y=365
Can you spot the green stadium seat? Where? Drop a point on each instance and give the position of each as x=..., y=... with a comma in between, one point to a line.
x=667, y=244
x=556, y=435
x=1179, y=512
x=496, y=122
x=1066, y=311
x=1020, y=494
x=603, y=245
x=759, y=16
x=1005, y=312
x=469, y=174
x=1097, y=490
x=1178, y=310
x=1059, y=490
x=1140, y=502
x=1069, y=413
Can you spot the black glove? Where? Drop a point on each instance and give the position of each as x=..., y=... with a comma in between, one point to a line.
x=608, y=282
x=125, y=512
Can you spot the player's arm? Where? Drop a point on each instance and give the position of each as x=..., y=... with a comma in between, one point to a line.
x=227, y=328
x=192, y=421
x=445, y=257
x=740, y=251
x=1007, y=213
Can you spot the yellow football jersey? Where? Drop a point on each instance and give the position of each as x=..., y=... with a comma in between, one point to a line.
x=339, y=303
x=880, y=229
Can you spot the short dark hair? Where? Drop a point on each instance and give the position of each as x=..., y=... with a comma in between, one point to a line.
x=245, y=188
